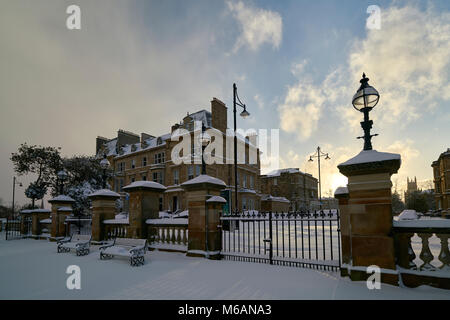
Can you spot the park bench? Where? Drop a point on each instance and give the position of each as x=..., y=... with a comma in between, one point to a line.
x=134, y=249
x=79, y=242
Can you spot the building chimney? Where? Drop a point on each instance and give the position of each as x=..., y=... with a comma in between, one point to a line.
x=219, y=115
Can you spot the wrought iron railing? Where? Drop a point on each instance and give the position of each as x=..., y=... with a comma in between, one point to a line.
x=303, y=239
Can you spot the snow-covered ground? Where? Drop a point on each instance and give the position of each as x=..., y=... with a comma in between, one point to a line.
x=32, y=269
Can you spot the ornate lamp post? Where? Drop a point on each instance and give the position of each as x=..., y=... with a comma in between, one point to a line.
x=244, y=114
x=62, y=176
x=204, y=140
x=364, y=100
x=104, y=164
x=318, y=154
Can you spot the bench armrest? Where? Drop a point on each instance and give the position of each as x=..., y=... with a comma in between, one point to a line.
x=64, y=240
x=106, y=246
x=83, y=244
x=137, y=250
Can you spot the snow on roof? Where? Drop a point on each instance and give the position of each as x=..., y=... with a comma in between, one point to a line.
x=41, y=210
x=184, y=213
x=408, y=215
x=62, y=198
x=204, y=178
x=276, y=173
x=247, y=191
x=48, y=220
x=105, y=193
x=341, y=190
x=25, y=211
x=366, y=156
x=276, y=199
x=65, y=209
x=145, y=184
x=217, y=199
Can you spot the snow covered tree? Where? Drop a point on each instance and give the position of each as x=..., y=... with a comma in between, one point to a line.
x=84, y=177
x=42, y=161
x=397, y=203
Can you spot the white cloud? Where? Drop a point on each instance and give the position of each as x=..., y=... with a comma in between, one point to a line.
x=258, y=26
x=408, y=61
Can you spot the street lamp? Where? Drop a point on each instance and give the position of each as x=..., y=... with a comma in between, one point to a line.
x=204, y=141
x=14, y=192
x=318, y=154
x=62, y=176
x=244, y=114
x=104, y=164
x=364, y=100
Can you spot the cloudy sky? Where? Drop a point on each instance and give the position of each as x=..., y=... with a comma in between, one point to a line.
x=141, y=65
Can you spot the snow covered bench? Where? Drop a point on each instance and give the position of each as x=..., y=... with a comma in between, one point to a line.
x=126, y=247
x=79, y=242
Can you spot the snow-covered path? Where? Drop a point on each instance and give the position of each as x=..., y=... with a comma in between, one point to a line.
x=31, y=269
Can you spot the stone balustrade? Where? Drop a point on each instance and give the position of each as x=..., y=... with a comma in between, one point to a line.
x=168, y=234
x=417, y=272
x=115, y=230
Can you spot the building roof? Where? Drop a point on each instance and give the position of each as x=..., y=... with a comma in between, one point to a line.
x=278, y=172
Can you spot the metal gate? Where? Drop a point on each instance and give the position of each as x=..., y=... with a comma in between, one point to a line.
x=302, y=239
x=18, y=228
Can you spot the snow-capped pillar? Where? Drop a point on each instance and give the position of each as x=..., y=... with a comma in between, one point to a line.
x=103, y=207
x=143, y=205
x=204, y=206
x=38, y=215
x=58, y=217
x=366, y=215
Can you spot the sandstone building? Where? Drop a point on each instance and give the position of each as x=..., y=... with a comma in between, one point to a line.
x=441, y=173
x=148, y=157
x=298, y=187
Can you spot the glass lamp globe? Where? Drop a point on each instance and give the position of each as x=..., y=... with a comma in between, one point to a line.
x=104, y=164
x=62, y=175
x=245, y=113
x=366, y=96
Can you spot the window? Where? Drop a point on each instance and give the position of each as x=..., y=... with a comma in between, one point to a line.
x=157, y=177
x=133, y=164
x=190, y=172
x=244, y=180
x=132, y=180
x=275, y=182
x=144, y=178
x=120, y=166
x=244, y=203
x=144, y=161
x=198, y=170
x=238, y=179
x=252, y=182
x=159, y=158
x=120, y=184
x=176, y=177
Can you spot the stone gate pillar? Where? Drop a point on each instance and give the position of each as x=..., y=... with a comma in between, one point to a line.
x=58, y=217
x=143, y=205
x=204, y=205
x=366, y=214
x=37, y=216
x=103, y=207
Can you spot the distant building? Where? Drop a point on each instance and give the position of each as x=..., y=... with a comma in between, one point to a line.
x=441, y=173
x=298, y=187
x=411, y=187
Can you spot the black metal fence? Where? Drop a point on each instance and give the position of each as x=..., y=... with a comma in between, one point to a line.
x=302, y=239
x=18, y=228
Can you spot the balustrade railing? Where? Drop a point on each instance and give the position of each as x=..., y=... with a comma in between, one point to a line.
x=407, y=250
x=116, y=230
x=170, y=234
